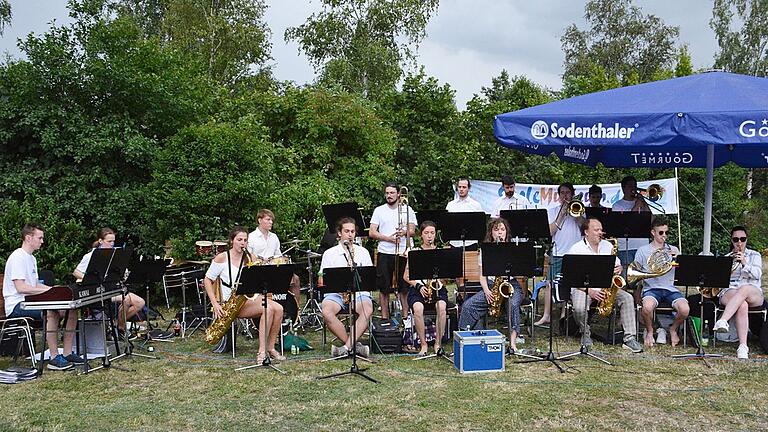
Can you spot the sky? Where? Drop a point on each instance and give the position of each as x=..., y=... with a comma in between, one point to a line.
x=468, y=42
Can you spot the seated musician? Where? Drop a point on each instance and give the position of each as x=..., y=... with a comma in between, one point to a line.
x=418, y=291
x=226, y=267
x=265, y=245
x=132, y=304
x=661, y=288
x=21, y=279
x=476, y=307
x=592, y=243
x=744, y=290
x=333, y=303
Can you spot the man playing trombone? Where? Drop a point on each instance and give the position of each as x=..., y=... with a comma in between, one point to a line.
x=392, y=224
x=662, y=287
x=510, y=200
x=630, y=201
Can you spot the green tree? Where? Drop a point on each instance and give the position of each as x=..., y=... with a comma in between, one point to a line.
x=363, y=45
x=230, y=36
x=741, y=30
x=620, y=42
x=5, y=15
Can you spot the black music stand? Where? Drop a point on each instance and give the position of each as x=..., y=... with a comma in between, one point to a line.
x=599, y=213
x=334, y=212
x=527, y=223
x=147, y=272
x=105, y=272
x=435, y=264
x=463, y=226
x=264, y=280
x=509, y=260
x=702, y=271
x=585, y=272
x=350, y=280
x=626, y=225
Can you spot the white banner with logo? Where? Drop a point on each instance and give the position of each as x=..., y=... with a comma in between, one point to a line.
x=545, y=196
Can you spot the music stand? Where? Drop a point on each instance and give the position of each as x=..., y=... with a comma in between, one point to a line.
x=587, y=271
x=599, y=213
x=334, y=212
x=463, y=226
x=434, y=264
x=104, y=272
x=527, y=223
x=147, y=272
x=435, y=216
x=509, y=260
x=626, y=225
x=702, y=271
x=264, y=280
x=350, y=280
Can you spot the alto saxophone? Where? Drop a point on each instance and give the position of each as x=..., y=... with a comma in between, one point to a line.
x=501, y=289
x=617, y=282
x=230, y=309
x=433, y=286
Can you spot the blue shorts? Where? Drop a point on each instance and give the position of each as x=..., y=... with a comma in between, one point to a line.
x=336, y=298
x=18, y=312
x=662, y=295
x=555, y=267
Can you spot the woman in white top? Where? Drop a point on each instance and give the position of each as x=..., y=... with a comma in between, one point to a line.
x=132, y=304
x=226, y=267
x=744, y=291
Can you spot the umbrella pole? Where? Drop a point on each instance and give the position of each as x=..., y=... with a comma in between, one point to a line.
x=679, y=210
x=708, y=199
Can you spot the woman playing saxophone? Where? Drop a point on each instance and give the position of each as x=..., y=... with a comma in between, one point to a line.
x=427, y=292
x=476, y=307
x=227, y=267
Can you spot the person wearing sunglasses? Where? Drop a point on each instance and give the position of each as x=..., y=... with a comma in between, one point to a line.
x=661, y=288
x=744, y=290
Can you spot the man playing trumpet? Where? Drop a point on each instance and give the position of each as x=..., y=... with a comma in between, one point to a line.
x=661, y=288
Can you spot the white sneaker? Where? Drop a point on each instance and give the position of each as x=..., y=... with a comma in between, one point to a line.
x=407, y=322
x=661, y=336
x=721, y=326
x=742, y=352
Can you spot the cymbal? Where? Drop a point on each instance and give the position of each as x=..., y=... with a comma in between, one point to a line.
x=295, y=241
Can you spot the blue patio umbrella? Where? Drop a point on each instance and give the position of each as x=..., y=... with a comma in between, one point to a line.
x=698, y=121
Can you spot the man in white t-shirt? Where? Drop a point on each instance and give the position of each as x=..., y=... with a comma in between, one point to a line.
x=389, y=224
x=264, y=244
x=593, y=244
x=630, y=201
x=22, y=279
x=342, y=255
x=510, y=200
x=565, y=231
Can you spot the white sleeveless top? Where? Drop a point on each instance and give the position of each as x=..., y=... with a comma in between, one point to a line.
x=220, y=271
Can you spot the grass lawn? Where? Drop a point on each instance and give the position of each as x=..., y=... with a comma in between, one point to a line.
x=189, y=388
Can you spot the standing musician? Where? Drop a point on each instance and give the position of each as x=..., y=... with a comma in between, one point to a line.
x=661, y=288
x=333, y=303
x=510, y=200
x=595, y=196
x=264, y=244
x=565, y=231
x=22, y=279
x=418, y=291
x=463, y=203
x=630, y=201
x=593, y=244
x=131, y=303
x=744, y=290
x=388, y=227
x=476, y=307
x=227, y=267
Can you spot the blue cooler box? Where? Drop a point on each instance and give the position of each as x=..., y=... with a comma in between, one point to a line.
x=478, y=351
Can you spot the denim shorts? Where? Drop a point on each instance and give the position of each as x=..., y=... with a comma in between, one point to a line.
x=661, y=295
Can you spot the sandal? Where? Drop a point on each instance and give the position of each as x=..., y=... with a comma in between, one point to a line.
x=261, y=357
x=275, y=355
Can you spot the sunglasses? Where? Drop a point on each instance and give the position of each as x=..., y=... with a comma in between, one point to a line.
x=662, y=232
x=739, y=239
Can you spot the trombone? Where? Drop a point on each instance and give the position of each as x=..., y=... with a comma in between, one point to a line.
x=402, y=207
x=653, y=195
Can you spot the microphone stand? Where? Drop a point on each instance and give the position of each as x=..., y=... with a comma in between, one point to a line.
x=354, y=369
